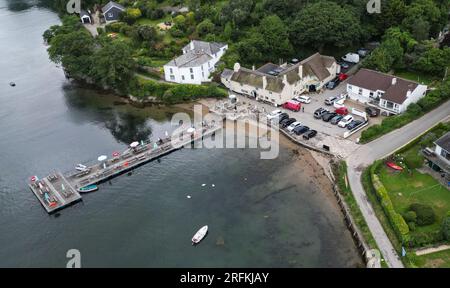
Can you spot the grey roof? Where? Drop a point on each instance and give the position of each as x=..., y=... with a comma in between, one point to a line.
x=190, y=59
x=110, y=5
x=206, y=47
x=374, y=80
x=227, y=73
x=83, y=13
x=444, y=142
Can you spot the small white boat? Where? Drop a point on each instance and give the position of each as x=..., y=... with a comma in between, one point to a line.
x=87, y=189
x=200, y=235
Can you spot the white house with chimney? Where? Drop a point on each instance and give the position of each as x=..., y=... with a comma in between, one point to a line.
x=391, y=94
x=277, y=84
x=195, y=66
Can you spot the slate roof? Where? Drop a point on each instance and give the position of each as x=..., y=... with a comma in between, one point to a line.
x=204, y=47
x=374, y=80
x=444, y=142
x=110, y=5
x=190, y=59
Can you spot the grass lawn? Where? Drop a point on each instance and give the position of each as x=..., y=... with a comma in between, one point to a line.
x=435, y=260
x=405, y=189
x=418, y=77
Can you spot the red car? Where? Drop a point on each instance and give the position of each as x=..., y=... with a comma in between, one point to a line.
x=342, y=111
x=292, y=105
x=342, y=76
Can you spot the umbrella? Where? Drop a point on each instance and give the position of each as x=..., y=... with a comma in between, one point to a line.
x=102, y=158
x=115, y=154
x=134, y=144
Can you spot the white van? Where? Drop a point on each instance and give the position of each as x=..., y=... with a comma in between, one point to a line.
x=351, y=57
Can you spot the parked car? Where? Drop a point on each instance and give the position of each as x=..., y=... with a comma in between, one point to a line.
x=300, y=130
x=292, y=105
x=333, y=83
x=363, y=52
x=303, y=99
x=285, y=123
x=336, y=119
x=330, y=100
x=327, y=117
x=342, y=76
x=282, y=117
x=309, y=134
x=372, y=112
x=341, y=111
x=345, y=121
x=354, y=124
x=344, y=65
x=351, y=57
x=320, y=112
x=291, y=127
x=274, y=114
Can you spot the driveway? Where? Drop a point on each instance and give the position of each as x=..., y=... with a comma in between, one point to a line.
x=378, y=149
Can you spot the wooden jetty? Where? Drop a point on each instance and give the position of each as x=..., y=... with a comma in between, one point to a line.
x=59, y=190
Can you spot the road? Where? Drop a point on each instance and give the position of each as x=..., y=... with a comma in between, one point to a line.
x=378, y=149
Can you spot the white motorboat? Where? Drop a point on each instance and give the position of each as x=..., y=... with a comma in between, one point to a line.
x=199, y=235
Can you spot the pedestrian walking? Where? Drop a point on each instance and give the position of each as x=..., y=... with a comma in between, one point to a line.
x=303, y=109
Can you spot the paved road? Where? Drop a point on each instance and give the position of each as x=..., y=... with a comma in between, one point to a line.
x=378, y=149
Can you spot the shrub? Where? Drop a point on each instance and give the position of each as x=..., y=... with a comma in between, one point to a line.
x=446, y=227
x=425, y=214
x=410, y=216
x=412, y=226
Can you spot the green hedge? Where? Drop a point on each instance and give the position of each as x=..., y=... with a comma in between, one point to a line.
x=415, y=110
x=398, y=223
x=176, y=93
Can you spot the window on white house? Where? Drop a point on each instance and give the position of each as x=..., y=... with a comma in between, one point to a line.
x=202, y=67
x=203, y=74
x=445, y=154
x=172, y=77
x=192, y=70
x=371, y=94
x=171, y=71
x=350, y=87
x=360, y=91
x=182, y=77
x=192, y=76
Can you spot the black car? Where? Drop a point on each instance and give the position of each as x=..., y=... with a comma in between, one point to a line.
x=285, y=123
x=282, y=117
x=336, y=119
x=354, y=124
x=301, y=129
x=333, y=83
x=320, y=112
x=310, y=134
x=372, y=112
x=327, y=117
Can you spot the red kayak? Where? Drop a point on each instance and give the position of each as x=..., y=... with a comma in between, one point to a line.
x=394, y=166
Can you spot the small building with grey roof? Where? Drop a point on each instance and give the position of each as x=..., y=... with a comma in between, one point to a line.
x=112, y=11
x=195, y=65
x=277, y=84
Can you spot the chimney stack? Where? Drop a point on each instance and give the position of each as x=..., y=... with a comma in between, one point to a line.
x=253, y=67
x=191, y=45
x=264, y=82
x=408, y=94
x=394, y=81
x=237, y=67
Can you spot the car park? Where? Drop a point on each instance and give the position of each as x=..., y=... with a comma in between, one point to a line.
x=303, y=99
x=345, y=121
x=286, y=122
x=320, y=112
x=309, y=134
x=291, y=127
x=328, y=116
x=330, y=100
x=354, y=124
x=341, y=111
x=292, y=105
x=301, y=129
x=372, y=112
x=274, y=114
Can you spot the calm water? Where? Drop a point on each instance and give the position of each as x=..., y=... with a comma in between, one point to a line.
x=260, y=213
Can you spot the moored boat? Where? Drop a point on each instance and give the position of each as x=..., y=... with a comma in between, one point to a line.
x=200, y=235
x=87, y=189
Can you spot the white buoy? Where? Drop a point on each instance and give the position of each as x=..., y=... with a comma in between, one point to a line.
x=213, y=185
x=188, y=196
x=203, y=185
